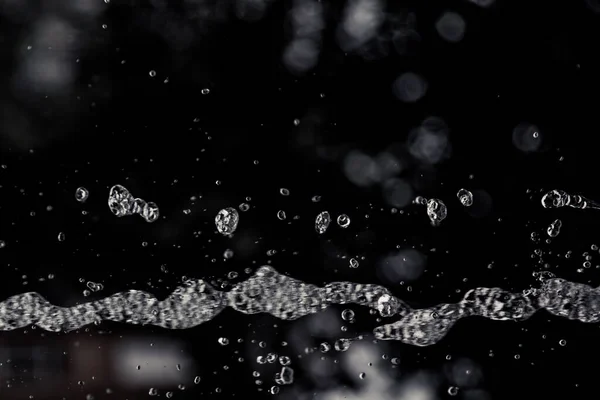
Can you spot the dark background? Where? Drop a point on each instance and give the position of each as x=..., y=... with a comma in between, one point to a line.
x=533, y=62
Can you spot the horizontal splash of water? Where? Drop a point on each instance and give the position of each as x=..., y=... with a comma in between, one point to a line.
x=268, y=291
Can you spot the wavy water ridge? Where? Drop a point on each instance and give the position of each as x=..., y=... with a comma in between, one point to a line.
x=268, y=291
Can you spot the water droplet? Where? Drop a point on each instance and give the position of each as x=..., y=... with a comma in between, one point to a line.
x=554, y=228
x=353, y=263
x=452, y=390
x=61, y=237
x=81, y=194
x=322, y=222
x=465, y=197
x=197, y=380
x=152, y=73
x=281, y=215
x=227, y=221
x=284, y=192
x=347, y=315
x=343, y=220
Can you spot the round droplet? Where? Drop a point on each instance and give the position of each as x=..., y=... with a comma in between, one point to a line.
x=2, y=244
x=227, y=254
x=465, y=197
x=324, y=347
x=362, y=375
x=452, y=390
x=562, y=342
x=281, y=215
x=348, y=315
x=342, y=344
x=81, y=194
x=353, y=263
x=152, y=73
x=244, y=207
x=205, y=91
x=61, y=237
x=153, y=392
x=284, y=360
x=284, y=192
x=197, y=380
x=343, y=221
x=223, y=341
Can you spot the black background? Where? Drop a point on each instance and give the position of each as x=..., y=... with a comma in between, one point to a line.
x=532, y=62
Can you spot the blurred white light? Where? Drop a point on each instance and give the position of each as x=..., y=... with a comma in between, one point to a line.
x=158, y=364
x=409, y=87
x=360, y=23
x=361, y=169
x=301, y=55
x=527, y=137
x=451, y=27
x=405, y=265
x=430, y=143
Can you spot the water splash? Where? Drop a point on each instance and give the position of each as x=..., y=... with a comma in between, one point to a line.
x=268, y=291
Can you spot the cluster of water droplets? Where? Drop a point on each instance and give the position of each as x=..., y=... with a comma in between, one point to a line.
x=122, y=203
x=324, y=219
x=268, y=291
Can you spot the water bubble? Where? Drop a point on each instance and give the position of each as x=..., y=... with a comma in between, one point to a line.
x=227, y=221
x=322, y=222
x=562, y=342
x=61, y=237
x=554, y=228
x=316, y=199
x=362, y=375
x=153, y=392
x=348, y=315
x=452, y=390
x=227, y=254
x=343, y=220
x=284, y=192
x=197, y=380
x=81, y=194
x=420, y=200
x=244, y=207
x=274, y=390
x=465, y=197
x=281, y=215
x=354, y=263
x=205, y=91
x=152, y=73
